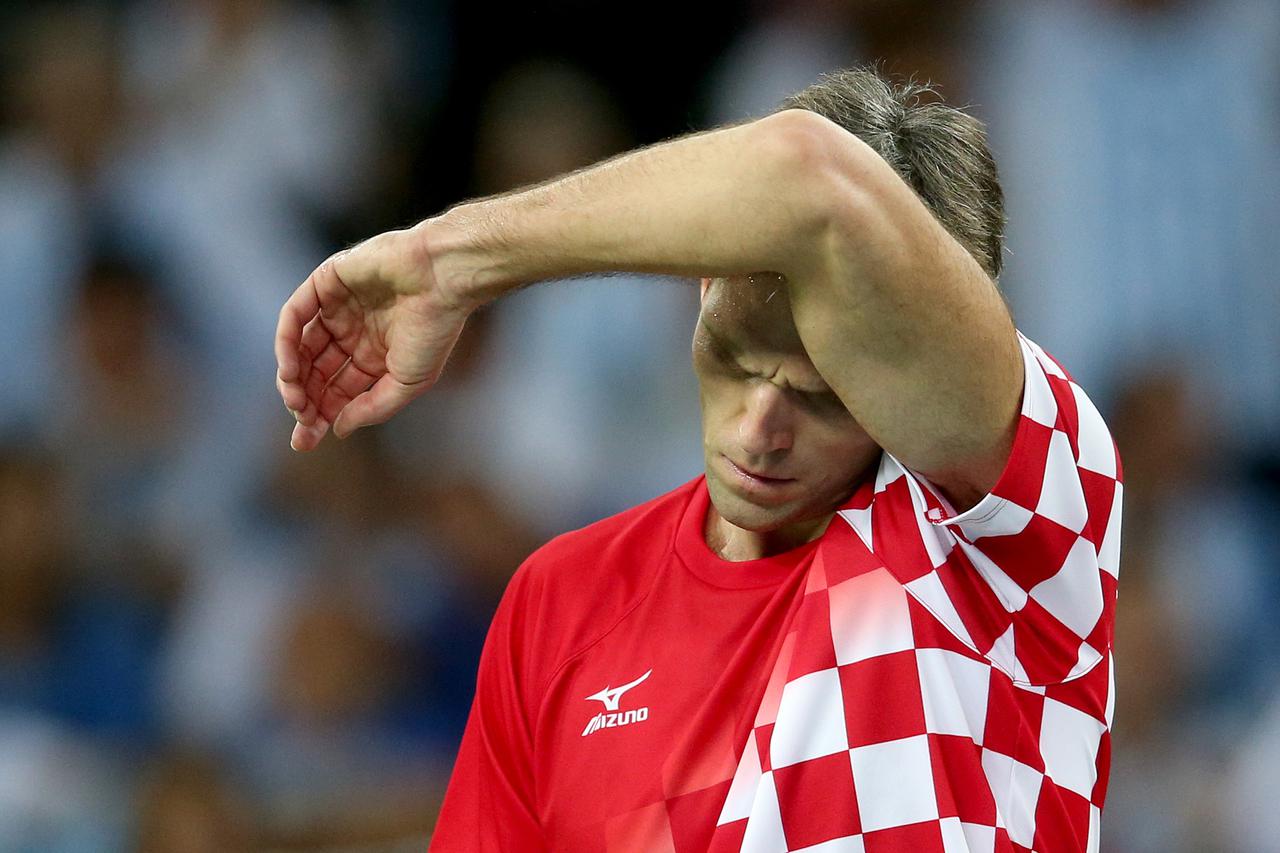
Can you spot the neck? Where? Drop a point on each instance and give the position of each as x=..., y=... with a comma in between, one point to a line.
x=736, y=544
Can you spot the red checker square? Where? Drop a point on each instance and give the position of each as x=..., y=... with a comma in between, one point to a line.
x=763, y=735
x=1031, y=714
x=844, y=555
x=1099, y=795
x=1099, y=497
x=960, y=785
x=690, y=829
x=1062, y=820
x=896, y=531
x=984, y=617
x=1023, y=475
x=1003, y=714
x=813, y=622
x=925, y=837
x=1003, y=844
x=1087, y=694
x=930, y=633
x=1103, y=633
x=728, y=837
x=1068, y=420
x=817, y=576
x=1046, y=648
x=882, y=699
x=816, y=800
x=1013, y=721
x=1033, y=555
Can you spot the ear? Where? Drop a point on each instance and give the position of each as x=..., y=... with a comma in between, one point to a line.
x=702, y=291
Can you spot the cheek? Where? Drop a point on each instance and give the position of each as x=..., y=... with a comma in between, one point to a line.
x=836, y=449
x=719, y=406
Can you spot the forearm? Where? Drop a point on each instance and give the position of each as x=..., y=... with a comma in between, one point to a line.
x=734, y=200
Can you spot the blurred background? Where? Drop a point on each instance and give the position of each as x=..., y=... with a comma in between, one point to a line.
x=208, y=643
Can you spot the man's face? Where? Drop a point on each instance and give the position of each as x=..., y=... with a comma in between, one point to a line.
x=781, y=449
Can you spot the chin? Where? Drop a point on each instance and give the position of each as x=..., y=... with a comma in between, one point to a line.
x=741, y=513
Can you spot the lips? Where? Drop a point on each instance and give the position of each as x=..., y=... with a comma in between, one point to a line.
x=756, y=475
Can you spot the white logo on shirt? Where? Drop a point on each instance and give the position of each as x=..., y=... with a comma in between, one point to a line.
x=611, y=717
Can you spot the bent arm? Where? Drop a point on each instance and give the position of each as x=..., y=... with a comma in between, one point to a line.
x=898, y=318
x=716, y=203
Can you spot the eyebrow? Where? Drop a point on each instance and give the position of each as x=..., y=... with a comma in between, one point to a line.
x=733, y=349
x=719, y=338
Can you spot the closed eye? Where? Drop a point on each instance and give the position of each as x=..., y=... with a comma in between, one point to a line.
x=823, y=402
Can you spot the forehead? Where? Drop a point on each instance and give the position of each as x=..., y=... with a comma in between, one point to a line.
x=752, y=313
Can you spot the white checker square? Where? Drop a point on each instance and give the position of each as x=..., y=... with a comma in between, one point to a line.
x=956, y=840
x=1050, y=366
x=1097, y=451
x=1016, y=789
x=1095, y=829
x=929, y=591
x=1074, y=595
x=1111, y=690
x=860, y=521
x=848, y=844
x=1069, y=742
x=1061, y=497
x=1109, y=550
x=742, y=790
x=937, y=543
x=1038, y=402
x=869, y=617
x=1087, y=658
x=991, y=516
x=981, y=839
x=954, y=689
x=810, y=719
x=893, y=782
x=764, y=828
x=1002, y=655
x=888, y=471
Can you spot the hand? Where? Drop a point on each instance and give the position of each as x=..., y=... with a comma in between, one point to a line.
x=368, y=331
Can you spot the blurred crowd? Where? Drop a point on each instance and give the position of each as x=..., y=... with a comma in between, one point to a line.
x=209, y=643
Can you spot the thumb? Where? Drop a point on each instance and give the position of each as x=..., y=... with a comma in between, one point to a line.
x=376, y=405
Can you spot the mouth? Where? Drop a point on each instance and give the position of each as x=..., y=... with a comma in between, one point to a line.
x=757, y=485
x=754, y=475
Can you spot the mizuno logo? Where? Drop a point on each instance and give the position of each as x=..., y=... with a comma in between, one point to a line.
x=612, y=718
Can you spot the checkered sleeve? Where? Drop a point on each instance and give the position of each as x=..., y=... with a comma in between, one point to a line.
x=1027, y=577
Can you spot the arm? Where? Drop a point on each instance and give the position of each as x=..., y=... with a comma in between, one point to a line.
x=897, y=317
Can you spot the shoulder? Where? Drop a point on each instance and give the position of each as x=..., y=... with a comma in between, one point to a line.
x=619, y=543
x=573, y=590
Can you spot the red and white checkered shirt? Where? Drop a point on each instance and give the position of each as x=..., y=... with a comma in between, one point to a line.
x=947, y=684
x=912, y=681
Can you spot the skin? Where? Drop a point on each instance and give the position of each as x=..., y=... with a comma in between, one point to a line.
x=886, y=310
x=767, y=411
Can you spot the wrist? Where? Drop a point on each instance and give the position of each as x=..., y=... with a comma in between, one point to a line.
x=463, y=269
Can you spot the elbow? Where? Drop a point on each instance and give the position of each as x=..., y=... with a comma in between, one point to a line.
x=822, y=171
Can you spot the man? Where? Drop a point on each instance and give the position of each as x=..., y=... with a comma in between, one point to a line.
x=882, y=620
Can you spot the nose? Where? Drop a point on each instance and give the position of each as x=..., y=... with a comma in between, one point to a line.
x=766, y=424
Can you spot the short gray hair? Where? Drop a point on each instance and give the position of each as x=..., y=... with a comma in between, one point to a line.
x=940, y=151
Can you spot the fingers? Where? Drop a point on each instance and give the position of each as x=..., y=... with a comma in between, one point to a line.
x=386, y=397
x=343, y=387
x=306, y=437
x=298, y=310
x=302, y=337
x=328, y=364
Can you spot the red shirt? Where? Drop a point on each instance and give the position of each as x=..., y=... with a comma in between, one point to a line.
x=913, y=680
x=636, y=593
